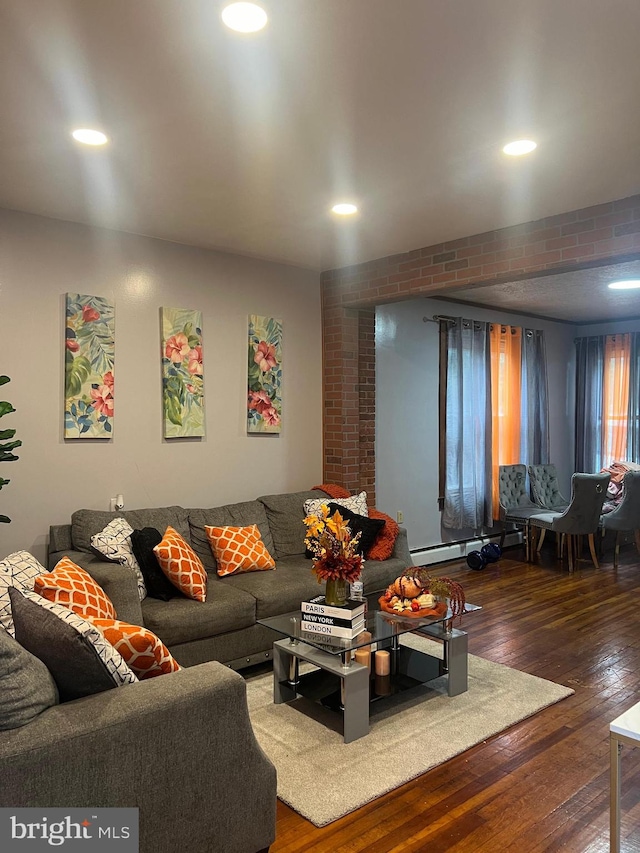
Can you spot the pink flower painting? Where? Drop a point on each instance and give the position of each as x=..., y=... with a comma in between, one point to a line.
x=89, y=367
x=264, y=397
x=182, y=373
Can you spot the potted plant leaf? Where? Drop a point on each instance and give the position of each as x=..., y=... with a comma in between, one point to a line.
x=7, y=442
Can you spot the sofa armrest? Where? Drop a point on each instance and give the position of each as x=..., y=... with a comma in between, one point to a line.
x=180, y=747
x=401, y=548
x=119, y=582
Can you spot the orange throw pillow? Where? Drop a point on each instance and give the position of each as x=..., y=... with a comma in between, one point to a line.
x=145, y=653
x=181, y=565
x=382, y=548
x=74, y=588
x=239, y=549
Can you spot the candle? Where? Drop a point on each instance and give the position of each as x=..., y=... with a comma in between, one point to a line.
x=363, y=656
x=383, y=663
x=382, y=685
x=365, y=637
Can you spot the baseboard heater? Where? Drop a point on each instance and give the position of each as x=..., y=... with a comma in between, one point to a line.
x=458, y=550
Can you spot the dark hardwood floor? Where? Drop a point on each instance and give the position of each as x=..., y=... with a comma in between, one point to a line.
x=542, y=785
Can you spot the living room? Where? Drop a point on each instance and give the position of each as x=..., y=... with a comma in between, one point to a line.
x=213, y=193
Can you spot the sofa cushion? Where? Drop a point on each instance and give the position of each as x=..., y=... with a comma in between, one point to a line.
x=73, y=587
x=85, y=523
x=27, y=687
x=76, y=654
x=286, y=521
x=239, y=549
x=182, y=619
x=279, y=591
x=378, y=574
x=230, y=515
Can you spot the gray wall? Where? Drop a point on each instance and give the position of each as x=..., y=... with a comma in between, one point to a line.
x=40, y=260
x=607, y=328
x=407, y=409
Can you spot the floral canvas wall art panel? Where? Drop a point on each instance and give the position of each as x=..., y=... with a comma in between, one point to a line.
x=264, y=402
x=89, y=366
x=182, y=373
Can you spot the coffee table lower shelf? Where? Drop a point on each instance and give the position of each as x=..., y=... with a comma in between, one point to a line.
x=347, y=687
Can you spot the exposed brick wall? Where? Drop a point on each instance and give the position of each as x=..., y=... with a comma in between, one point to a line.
x=367, y=403
x=580, y=238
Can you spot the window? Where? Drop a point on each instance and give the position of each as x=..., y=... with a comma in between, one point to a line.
x=493, y=411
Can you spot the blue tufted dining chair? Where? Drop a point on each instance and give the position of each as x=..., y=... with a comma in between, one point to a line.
x=544, y=487
x=626, y=516
x=516, y=507
x=580, y=518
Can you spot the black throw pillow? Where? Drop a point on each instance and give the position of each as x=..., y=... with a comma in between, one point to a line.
x=157, y=583
x=367, y=527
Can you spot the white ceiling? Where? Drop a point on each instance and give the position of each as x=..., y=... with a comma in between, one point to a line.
x=243, y=143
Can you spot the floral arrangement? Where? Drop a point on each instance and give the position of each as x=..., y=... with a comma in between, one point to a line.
x=333, y=547
x=417, y=593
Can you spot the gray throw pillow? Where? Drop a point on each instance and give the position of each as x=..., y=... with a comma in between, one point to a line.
x=76, y=654
x=26, y=685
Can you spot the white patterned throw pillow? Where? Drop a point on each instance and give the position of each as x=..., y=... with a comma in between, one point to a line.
x=19, y=569
x=356, y=503
x=114, y=543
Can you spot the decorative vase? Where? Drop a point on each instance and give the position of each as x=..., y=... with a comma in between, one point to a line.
x=336, y=593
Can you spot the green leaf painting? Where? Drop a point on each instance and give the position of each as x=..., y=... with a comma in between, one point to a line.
x=182, y=373
x=264, y=401
x=89, y=367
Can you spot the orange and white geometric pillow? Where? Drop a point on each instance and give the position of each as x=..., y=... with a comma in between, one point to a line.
x=239, y=549
x=73, y=587
x=144, y=653
x=181, y=565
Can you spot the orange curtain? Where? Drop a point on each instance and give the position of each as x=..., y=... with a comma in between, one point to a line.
x=506, y=348
x=617, y=352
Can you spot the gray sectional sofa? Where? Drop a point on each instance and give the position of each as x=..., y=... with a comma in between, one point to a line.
x=224, y=628
x=180, y=748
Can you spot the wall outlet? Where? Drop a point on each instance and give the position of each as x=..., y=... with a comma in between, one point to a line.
x=399, y=516
x=112, y=504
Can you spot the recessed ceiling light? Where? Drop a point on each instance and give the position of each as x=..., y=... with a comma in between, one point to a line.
x=629, y=284
x=520, y=146
x=344, y=209
x=89, y=137
x=244, y=17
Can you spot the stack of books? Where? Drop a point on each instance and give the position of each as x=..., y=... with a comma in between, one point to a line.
x=342, y=622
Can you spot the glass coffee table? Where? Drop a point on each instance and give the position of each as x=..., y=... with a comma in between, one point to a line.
x=339, y=682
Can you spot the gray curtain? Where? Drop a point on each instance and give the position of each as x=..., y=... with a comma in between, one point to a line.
x=467, y=492
x=633, y=423
x=589, y=402
x=534, y=440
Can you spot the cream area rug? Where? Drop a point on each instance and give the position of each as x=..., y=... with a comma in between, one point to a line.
x=323, y=778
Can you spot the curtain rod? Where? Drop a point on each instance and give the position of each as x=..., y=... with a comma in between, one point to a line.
x=437, y=318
